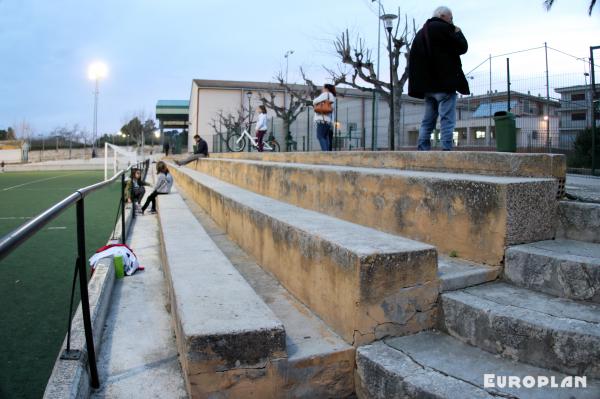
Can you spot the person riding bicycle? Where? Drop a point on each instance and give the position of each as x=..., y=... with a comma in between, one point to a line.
x=261, y=126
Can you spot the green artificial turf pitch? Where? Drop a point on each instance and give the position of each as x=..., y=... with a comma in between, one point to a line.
x=36, y=279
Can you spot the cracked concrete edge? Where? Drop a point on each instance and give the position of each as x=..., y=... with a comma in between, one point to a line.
x=568, y=346
x=384, y=372
x=70, y=379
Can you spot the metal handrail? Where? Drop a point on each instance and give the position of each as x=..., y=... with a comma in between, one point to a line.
x=18, y=236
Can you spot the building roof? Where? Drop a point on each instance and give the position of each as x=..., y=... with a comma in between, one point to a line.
x=271, y=86
x=567, y=89
x=487, y=109
x=173, y=104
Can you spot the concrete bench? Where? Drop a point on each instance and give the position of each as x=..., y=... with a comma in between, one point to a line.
x=364, y=283
x=474, y=216
x=226, y=335
x=471, y=162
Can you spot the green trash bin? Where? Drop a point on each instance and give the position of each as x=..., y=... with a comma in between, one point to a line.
x=506, y=131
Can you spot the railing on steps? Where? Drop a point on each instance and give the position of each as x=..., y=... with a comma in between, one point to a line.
x=20, y=235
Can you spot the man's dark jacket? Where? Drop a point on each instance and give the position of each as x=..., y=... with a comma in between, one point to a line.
x=434, y=60
x=201, y=147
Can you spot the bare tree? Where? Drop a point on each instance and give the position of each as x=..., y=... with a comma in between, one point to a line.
x=300, y=96
x=357, y=69
x=232, y=122
x=549, y=3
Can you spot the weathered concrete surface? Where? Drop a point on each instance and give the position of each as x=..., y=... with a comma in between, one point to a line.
x=319, y=364
x=484, y=163
x=139, y=357
x=227, y=337
x=365, y=284
x=70, y=378
x=473, y=215
x=456, y=274
x=586, y=188
x=578, y=221
x=425, y=365
x=526, y=326
x=565, y=268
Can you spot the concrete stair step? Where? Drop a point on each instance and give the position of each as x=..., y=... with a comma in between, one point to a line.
x=578, y=221
x=486, y=163
x=228, y=339
x=565, y=268
x=319, y=363
x=526, y=326
x=364, y=283
x=434, y=365
x=456, y=274
x=474, y=215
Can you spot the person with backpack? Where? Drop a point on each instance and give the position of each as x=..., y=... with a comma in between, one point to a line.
x=324, y=105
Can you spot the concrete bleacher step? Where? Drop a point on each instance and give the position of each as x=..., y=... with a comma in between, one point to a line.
x=319, y=363
x=565, y=268
x=364, y=283
x=578, y=221
x=527, y=326
x=456, y=274
x=227, y=337
x=475, y=216
x=434, y=365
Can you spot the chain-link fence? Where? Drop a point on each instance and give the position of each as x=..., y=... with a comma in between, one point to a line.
x=549, y=92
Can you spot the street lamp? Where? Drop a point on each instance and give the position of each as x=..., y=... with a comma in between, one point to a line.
x=388, y=23
x=96, y=71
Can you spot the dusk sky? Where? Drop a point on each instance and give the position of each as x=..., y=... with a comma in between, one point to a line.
x=154, y=48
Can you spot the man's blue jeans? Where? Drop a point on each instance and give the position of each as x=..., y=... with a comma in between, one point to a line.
x=444, y=105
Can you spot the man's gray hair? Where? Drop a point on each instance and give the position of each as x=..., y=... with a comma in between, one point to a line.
x=443, y=10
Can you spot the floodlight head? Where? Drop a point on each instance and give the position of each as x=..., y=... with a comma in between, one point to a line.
x=388, y=21
x=97, y=70
x=249, y=95
x=545, y=117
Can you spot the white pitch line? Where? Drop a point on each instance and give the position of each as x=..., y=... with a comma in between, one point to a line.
x=16, y=217
x=37, y=181
x=57, y=228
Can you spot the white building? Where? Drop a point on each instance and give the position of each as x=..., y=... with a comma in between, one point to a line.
x=575, y=111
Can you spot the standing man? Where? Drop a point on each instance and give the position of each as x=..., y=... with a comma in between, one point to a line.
x=435, y=75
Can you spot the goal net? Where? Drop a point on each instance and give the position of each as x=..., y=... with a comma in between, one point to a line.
x=117, y=158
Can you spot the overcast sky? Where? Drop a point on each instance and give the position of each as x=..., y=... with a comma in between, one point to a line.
x=154, y=48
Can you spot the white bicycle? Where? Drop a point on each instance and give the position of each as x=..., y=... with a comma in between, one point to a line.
x=238, y=141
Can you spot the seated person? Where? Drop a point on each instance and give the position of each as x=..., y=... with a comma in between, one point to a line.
x=164, y=182
x=200, y=151
x=134, y=189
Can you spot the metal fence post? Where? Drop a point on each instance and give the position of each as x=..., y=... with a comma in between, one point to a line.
x=123, y=208
x=85, y=303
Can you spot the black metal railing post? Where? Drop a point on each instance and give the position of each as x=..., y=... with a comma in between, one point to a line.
x=123, y=208
x=85, y=303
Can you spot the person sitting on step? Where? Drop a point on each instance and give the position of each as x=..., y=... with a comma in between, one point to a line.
x=164, y=182
x=200, y=151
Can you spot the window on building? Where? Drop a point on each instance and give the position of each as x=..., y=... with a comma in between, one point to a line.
x=480, y=134
x=534, y=134
x=578, y=97
x=578, y=116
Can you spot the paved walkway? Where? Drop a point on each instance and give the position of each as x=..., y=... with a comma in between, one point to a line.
x=587, y=188
x=139, y=357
